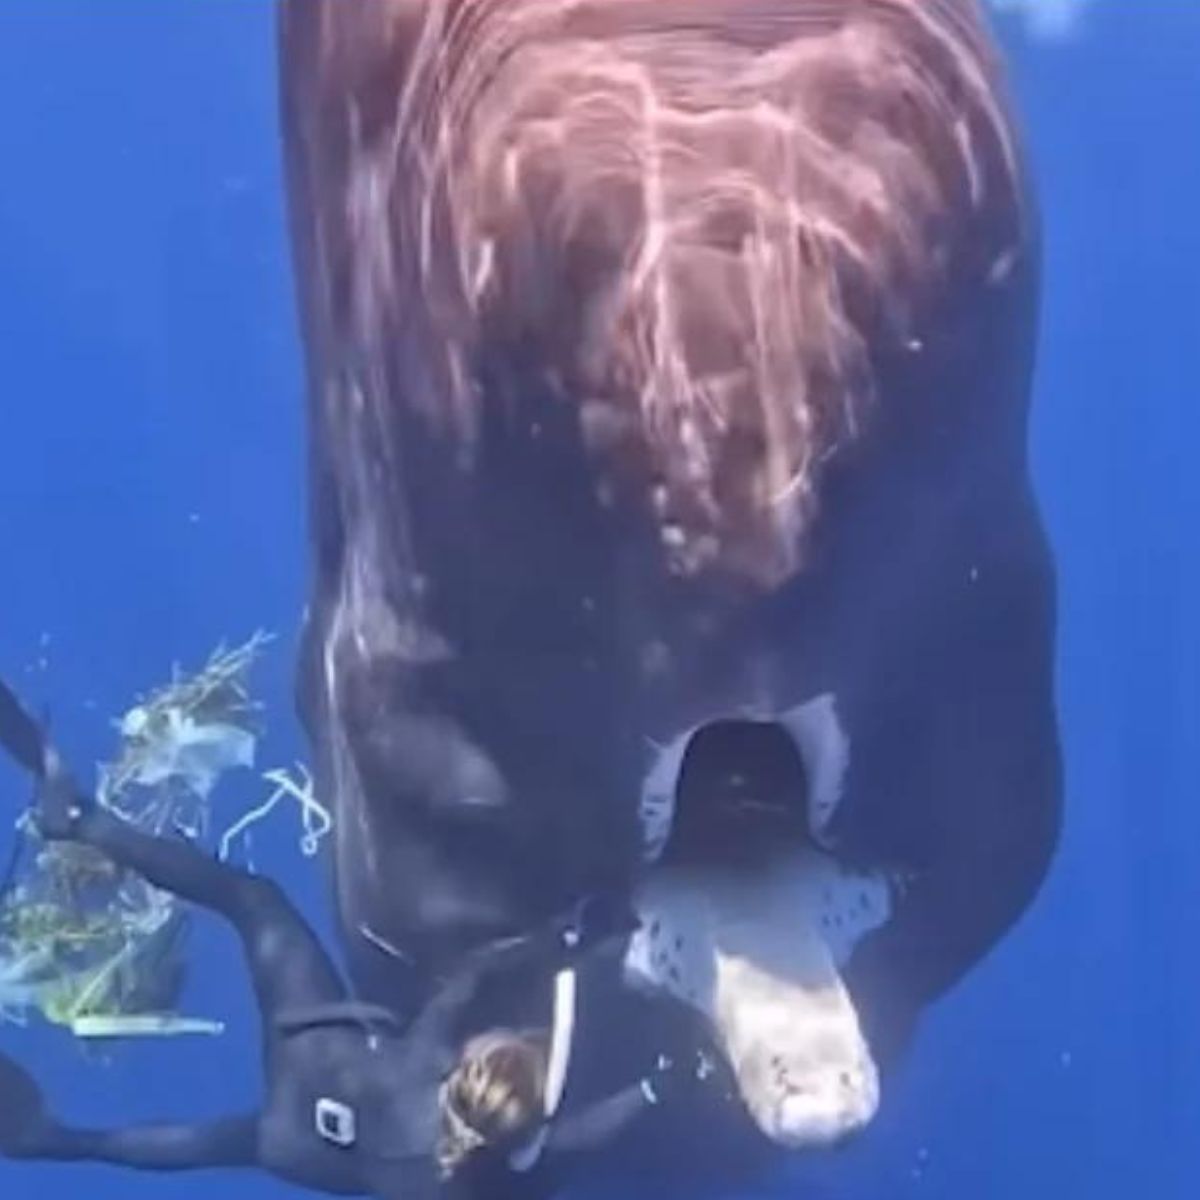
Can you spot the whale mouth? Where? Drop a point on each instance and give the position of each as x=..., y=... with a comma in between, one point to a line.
x=748, y=917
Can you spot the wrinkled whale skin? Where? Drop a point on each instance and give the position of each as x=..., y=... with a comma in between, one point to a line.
x=667, y=361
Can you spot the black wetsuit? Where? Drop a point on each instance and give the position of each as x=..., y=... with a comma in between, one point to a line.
x=491, y=1174
x=352, y=1099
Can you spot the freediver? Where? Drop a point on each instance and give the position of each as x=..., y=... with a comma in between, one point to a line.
x=357, y=1101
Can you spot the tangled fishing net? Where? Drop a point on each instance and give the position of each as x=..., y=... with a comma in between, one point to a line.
x=95, y=948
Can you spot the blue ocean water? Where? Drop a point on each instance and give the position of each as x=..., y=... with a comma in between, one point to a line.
x=152, y=503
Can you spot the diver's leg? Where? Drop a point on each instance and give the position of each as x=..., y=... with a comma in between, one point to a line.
x=230, y=1142
x=288, y=965
x=27, y=1132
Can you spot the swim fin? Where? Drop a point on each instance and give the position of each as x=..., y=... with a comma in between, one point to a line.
x=20, y=734
x=22, y=1112
x=59, y=801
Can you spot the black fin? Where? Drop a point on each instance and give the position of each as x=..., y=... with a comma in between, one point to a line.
x=58, y=801
x=20, y=734
x=22, y=1111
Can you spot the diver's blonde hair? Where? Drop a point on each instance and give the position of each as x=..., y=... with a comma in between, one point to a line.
x=494, y=1097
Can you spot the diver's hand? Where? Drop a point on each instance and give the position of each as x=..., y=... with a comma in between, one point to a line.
x=673, y=1078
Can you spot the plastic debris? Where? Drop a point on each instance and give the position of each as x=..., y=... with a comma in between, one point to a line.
x=97, y=949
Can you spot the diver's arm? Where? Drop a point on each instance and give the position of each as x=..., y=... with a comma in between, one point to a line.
x=435, y=1024
x=562, y=943
x=229, y=1142
x=601, y=1122
x=590, y=1129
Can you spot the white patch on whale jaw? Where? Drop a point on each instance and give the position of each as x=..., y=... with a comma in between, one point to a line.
x=759, y=958
x=656, y=809
x=758, y=953
x=825, y=751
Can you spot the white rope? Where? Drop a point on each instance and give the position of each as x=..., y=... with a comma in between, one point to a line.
x=314, y=816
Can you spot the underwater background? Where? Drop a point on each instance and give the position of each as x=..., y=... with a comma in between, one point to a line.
x=152, y=504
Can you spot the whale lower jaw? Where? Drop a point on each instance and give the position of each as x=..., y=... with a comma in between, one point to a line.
x=803, y=1068
x=758, y=954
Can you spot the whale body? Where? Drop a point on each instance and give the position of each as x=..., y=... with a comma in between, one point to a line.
x=669, y=370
